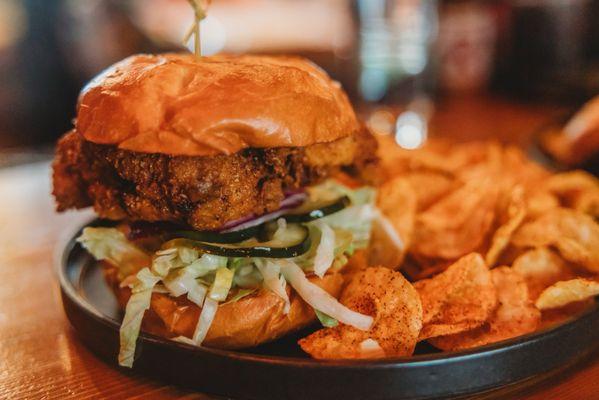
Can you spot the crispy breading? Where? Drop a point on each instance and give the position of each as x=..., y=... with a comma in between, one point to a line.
x=203, y=192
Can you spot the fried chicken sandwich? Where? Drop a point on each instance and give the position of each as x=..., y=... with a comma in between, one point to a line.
x=220, y=178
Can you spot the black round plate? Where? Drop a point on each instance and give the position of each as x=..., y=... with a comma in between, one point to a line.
x=280, y=371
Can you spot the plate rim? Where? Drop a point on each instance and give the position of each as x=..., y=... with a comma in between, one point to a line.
x=68, y=245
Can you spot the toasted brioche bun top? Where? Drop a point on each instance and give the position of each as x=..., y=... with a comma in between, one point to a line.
x=179, y=104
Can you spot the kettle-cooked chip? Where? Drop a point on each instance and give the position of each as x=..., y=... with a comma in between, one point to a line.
x=587, y=202
x=565, y=292
x=508, y=166
x=458, y=224
x=516, y=315
x=395, y=160
x=429, y=187
x=576, y=189
x=395, y=305
x=511, y=215
x=574, y=234
x=485, y=197
x=459, y=299
x=540, y=202
x=566, y=184
x=418, y=268
x=522, y=169
x=396, y=200
x=541, y=268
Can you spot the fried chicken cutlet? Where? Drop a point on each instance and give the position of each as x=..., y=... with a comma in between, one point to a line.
x=204, y=192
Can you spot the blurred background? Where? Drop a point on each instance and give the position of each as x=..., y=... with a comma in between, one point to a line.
x=389, y=54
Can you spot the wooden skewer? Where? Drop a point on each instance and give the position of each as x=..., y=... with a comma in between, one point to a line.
x=199, y=10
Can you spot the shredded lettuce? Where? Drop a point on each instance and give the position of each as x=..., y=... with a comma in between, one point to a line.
x=356, y=218
x=325, y=252
x=184, y=280
x=189, y=255
x=112, y=245
x=181, y=256
x=237, y=263
x=271, y=274
x=343, y=245
x=246, y=274
x=206, y=317
x=251, y=278
x=180, y=281
x=326, y=320
x=221, y=285
x=141, y=295
x=165, y=260
x=331, y=189
x=178, y=269
x=184, y=339
x=197, y=293
x=241, y=293
x=208, y=263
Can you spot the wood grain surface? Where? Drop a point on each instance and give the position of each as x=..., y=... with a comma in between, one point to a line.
x=40, y=356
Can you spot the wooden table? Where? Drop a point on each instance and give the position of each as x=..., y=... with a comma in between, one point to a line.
x=40, y=357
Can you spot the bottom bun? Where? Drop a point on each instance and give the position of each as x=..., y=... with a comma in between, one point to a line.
x=248, y=322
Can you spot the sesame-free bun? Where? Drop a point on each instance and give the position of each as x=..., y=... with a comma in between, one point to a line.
x=252, y=320
x=180, y=104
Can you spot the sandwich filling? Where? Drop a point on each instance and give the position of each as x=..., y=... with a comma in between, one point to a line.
x=212, y=268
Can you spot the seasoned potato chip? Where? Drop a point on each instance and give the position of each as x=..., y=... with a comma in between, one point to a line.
x=566, y=292
x=576, y=189
x=511, y=215
x=541, y=268
x=458, y=224
x=508, y=166
x=470, y=158
x=417, y=268
x=510, y=254
x=568, y=183
x=470, y=153
x=574, y=234
x=395, y=305
x=587, y=202
x=395, y=160
x=396, y=200
x=437, y=156
x=521, y=169
x=429, y=187
x=516, y=315
x=459, y=299
x=540, y=202
x=485, y=197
